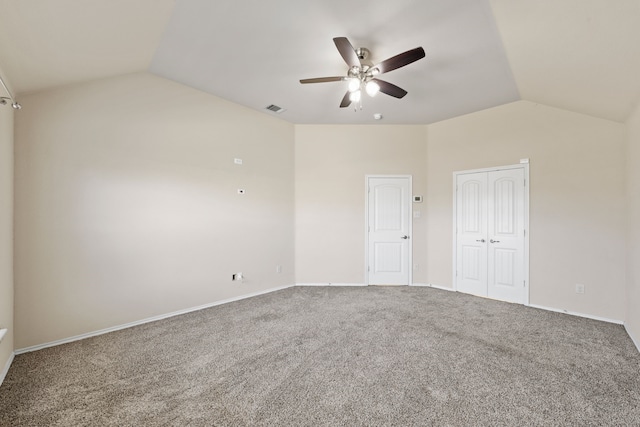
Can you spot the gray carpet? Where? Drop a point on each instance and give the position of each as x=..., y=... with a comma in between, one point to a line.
x=337, y=357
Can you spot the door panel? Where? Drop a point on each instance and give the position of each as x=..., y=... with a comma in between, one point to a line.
x=506, y=235
x=387, y=211
x=472, y=260
x=389, y=231
x=472, y=231
x=388, y=257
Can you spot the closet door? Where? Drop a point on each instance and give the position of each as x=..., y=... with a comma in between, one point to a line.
x=471, y=212
x=506, y=235
x=490, y=234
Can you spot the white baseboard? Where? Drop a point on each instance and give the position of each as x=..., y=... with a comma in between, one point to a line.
x=143, y=321
x=5, y=370
x=331, y=284
x=429, y=285
x=637, y=343
x=574, y=313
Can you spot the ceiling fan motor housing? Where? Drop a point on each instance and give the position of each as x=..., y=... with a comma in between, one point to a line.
x=363, y=53
x=363, y=73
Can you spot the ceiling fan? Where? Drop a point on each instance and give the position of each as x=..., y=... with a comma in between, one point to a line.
x=362, y=75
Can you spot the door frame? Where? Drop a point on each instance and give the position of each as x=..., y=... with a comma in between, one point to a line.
x=525, y=167
x=366, y=224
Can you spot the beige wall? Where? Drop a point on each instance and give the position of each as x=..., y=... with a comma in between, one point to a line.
x=577, y=198
x=6, y=232
x=632, y=320
x=331, y=162
x=127, y=204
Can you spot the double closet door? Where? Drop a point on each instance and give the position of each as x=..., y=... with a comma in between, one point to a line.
x=490, y=234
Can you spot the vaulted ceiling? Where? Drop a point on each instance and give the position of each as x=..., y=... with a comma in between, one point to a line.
x=579, y=55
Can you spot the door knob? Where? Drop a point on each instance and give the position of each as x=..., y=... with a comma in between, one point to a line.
x=405, y=237
x=480, y=240
x=494, y=241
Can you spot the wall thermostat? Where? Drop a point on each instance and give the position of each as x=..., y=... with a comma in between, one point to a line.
x=417, y=199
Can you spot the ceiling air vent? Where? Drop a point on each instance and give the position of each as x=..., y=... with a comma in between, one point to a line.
x=275, y=108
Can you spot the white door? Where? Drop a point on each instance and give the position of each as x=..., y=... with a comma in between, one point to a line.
x=471, y=212
x=490, y=227
x=389, y=230
x=506, y=235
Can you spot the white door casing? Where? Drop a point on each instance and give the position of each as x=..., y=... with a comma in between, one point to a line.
x=491, y=245
x=388, y=230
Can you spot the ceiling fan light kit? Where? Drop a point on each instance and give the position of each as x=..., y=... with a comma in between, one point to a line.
x=362, y=76
x=14, y=104
x=3, y=99
x=372, y=88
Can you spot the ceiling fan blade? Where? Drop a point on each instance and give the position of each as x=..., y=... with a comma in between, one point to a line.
x=322, y=80
x=400, y=60
x=390, y=89
x=346, y=101
x=347, y=51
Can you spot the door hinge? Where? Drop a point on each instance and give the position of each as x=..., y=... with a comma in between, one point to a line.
x=524, y=283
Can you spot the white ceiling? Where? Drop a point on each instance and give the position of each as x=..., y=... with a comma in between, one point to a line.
x=259, y=57
x=581, y=55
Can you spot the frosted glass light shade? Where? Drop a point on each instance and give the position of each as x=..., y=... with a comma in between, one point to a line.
x=372, y=88
x=354, y=85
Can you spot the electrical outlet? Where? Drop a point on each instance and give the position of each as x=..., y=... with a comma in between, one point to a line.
x=579, y=288
x=236, y=277
x=278, y=269
x=237, y=161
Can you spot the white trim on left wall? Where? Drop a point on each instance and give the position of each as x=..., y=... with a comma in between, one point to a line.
x=5, y=370
x=143, y=321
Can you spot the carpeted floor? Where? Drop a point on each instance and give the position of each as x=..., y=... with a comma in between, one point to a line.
x=320, y=356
